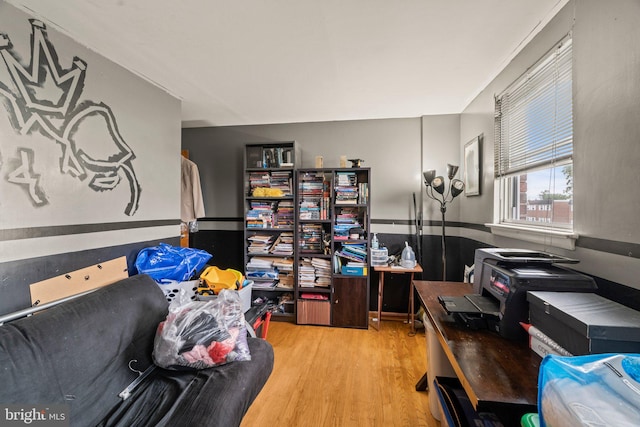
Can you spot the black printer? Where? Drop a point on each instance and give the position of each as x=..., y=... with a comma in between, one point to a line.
x=502, y=278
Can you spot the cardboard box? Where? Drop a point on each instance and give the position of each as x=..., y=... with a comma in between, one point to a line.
x=79, y=281
x=585, y=323
x=311, y=312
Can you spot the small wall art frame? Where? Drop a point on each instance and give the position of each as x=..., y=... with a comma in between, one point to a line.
x=472, y=161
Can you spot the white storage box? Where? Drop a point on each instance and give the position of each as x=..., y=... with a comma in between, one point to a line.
x=172, y=289
x=245, y=295
x=379, y=256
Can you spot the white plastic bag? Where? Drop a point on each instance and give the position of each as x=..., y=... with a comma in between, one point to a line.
x=202, y=334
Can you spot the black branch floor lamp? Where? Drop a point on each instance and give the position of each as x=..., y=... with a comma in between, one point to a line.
x=443, y=194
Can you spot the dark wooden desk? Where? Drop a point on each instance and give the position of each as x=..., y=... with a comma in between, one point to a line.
x=498, y=375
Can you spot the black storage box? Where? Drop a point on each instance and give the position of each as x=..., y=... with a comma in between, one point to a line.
x=585, y=323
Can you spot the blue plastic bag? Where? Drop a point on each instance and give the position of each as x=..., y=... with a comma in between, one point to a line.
x=166, y=262
x=590, y=390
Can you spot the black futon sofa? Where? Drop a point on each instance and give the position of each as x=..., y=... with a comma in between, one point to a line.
x=77, y=355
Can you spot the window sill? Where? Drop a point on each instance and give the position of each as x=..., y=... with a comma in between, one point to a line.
x=556, y=238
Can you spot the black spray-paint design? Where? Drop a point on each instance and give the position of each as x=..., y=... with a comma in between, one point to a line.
x=59, y=120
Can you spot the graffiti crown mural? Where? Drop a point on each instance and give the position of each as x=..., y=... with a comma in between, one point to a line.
x=43, y=97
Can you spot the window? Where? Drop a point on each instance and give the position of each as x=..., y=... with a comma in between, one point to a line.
x=534, y=146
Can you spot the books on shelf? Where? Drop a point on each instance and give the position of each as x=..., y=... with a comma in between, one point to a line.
x=260, y=244
x=270, y=244
x=314, y=272
x=346, y=188
x=280, y=182
x=314, y=196
x=277, y=157
x=363, y=193
x=283, y=244
x=284, y=214
x=286, y=280
x=309, y=210
x=270, y=214
x=310, y=295
x=270, y=272
x=354, y=269
x=306, y=274
x=346, y=219
x=310, y=239
x=260, y=214
x=353, y=251
x=322, y=268
x=262, y=272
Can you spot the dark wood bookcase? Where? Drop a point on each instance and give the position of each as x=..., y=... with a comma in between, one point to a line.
x=270, y=224
x=332, y=246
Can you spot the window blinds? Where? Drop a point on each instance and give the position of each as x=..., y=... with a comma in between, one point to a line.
x=534, y=117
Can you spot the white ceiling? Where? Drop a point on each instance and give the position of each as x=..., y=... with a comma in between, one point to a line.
x=284, y=61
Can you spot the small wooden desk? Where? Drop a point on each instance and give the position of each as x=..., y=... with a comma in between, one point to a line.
x=497, y=374
x=397, y=270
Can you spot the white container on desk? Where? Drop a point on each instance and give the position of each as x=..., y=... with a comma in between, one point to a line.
x=379, y=257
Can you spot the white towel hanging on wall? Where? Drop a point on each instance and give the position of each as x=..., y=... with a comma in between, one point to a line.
x=192, y=205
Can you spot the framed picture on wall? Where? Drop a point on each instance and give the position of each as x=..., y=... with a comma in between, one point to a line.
x=472, y=167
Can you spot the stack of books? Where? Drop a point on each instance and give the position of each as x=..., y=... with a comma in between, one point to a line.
x=346, y=219
x=346, y=188
x=353, y=252
x=284, y=214
x=259, y=180
x=319, y=297
x=277, y=157
x=283, y=245
x=282, y=181
x=306, y=274
x=322, y=271
x=354, y=269
x=261, y=214
x=262, y=271
x=314, y=197
x=309, y=210
x=363, y=193
x=260, y=244
x=310, y=240
x=285, y=272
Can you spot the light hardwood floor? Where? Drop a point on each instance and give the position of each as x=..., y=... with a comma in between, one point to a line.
x=326, y=376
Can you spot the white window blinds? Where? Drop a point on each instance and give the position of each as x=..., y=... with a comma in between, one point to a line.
x=534, y=117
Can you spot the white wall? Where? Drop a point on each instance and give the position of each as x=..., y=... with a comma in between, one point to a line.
x=606, y=136
x=118, y=129
x=83, y=181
